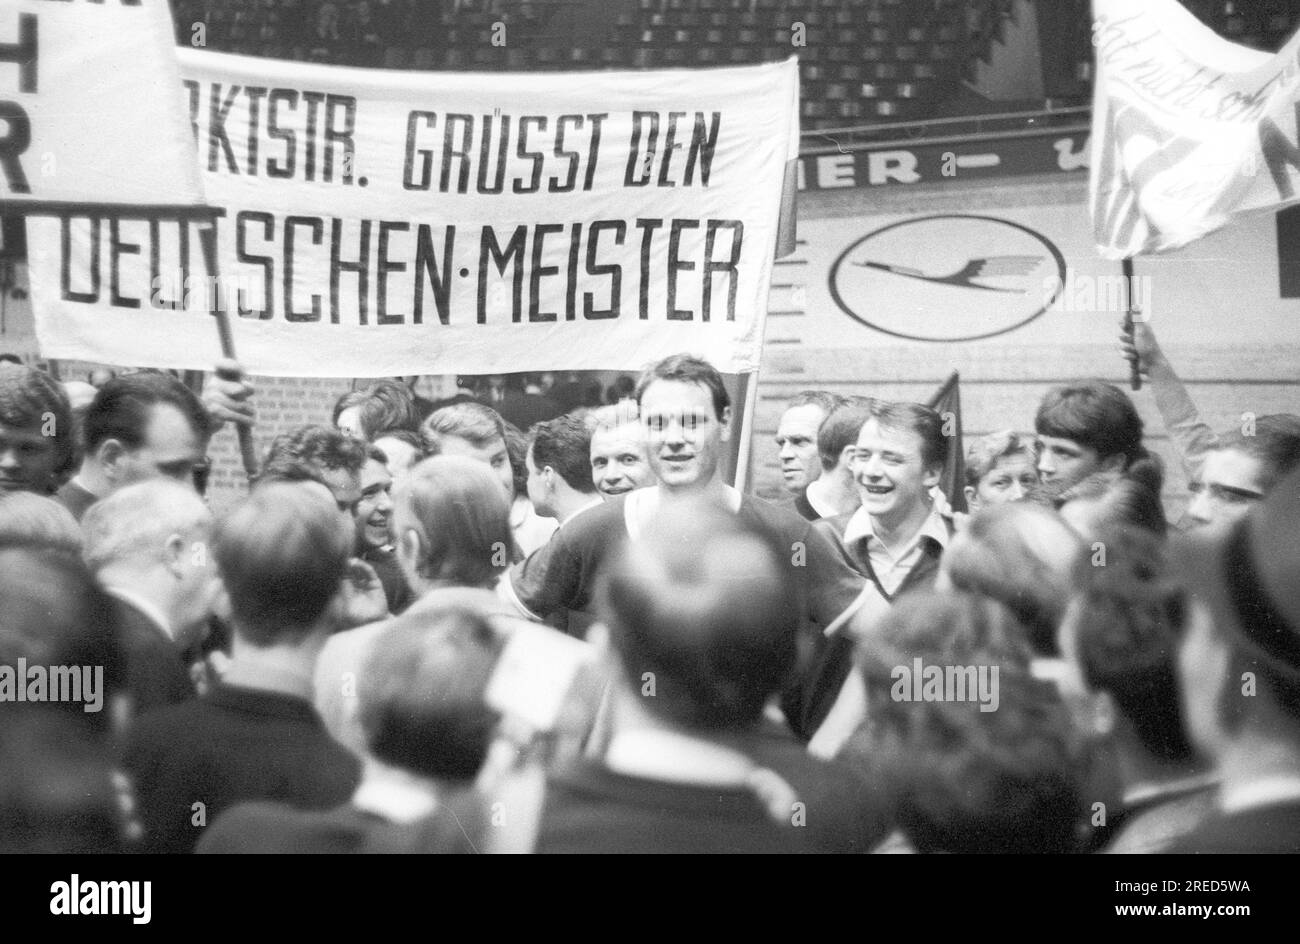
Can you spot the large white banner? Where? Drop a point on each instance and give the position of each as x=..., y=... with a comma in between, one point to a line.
x=383, y=223
x=87, y=114
x=1188, y=128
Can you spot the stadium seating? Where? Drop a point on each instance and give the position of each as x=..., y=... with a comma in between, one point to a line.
x=861, y=61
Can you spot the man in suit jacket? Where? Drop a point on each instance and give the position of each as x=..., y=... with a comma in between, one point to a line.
x=283, y=557
x=148, y=546
x=1239, y=674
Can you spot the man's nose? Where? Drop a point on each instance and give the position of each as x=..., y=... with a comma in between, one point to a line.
x=9, y=458
x=787, y=450
x=1017, y=490
x=1201, y=509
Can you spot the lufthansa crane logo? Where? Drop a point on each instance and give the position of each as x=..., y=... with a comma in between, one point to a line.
x=954, y=277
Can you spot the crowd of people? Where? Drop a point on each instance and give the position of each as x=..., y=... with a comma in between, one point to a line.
x=427, y=629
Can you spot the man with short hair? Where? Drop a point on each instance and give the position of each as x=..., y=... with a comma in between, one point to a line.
x=147, y=545
x=476, y=431
x=835, y=491
x=1090, y=427
x=686, y=767
x=139, y=426
x=320, y=453
x=1239, y=674
x=796, y=437
x=898, y=533
x=559, y=481
x=37, y=448
x=373, y=517
x=618, y=454
x=1119, y=638
x=283, y=555
x=686, y=412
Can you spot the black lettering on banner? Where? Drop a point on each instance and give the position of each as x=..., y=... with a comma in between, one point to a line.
x=360, y=267
x=669, y=144
x=537, y=271
x=737, y=228
x=279, y=97
x=116, y=249
x=17, y=138
x=571, y=282
x=243, y=218
x=313, y=100
x=499, y=184
x=635, y=159
x=218, y=112
x=24, y=53
x=535, y=182
x=593, y=150
x=703, y=144
x=195, y=97
x=675, y=265
x=65, y=269
x=647, y=227
x=340, y=136
x=490, y=249
x=426, y=156
x=156, y=280
x=384, y=265
x=1281, y=154
x=426, y=260
x=554, y=186
x=613, y=270
x=317, y=228
x=255, y=96
x=449, y=150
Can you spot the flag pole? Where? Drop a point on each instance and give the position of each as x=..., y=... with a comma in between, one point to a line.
x=1134, y=375
x=208, y=241
x=741, y=478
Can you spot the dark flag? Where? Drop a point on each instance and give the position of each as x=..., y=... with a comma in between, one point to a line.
x=947, y=402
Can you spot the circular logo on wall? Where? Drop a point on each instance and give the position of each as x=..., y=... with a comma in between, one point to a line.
x=952, y=277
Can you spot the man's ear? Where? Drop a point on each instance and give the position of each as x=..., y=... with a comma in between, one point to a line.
x=846, y=456
x=221, y=604
x=972, y=497
x=111, y=457
x=408, y=548
x=932, y=476
x=175, y=555
x=725, y=420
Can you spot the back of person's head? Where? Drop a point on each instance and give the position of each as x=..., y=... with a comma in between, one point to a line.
x=984, y=763
x=823, y=399
x=564, y=444
x=302, y=454
x=708, y=605
x=984, y=453
x=840, y=429
x=477, y=424
x=422, y=694
x=1024, y=556
x=686, y=368
x=1097, y=415
x=1274, y=443
x=282, y=553
x=54, y=615
x=123, y=407
x=384, y=405
x=37, y=519
x=916, y=418
x=32, y=401
x=134, y=524
x=1105, y=502
x=455, y=508
x=1124, y=626
x=56, y=795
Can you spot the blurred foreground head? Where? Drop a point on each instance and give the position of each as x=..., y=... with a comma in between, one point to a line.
x=703, y=611
x=974, y=753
